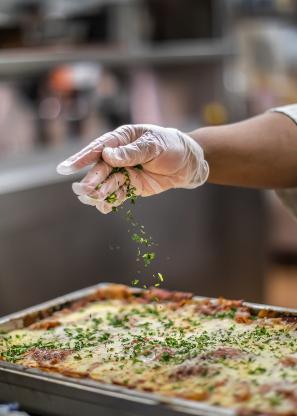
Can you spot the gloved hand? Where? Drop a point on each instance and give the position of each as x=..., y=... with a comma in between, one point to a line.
x=168, y=159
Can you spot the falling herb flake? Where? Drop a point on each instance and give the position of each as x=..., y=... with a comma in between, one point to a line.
x=138, y=233
x=160, y=276
x=147, y=258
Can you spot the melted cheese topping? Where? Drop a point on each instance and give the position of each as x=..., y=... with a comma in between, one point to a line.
x=169, y=348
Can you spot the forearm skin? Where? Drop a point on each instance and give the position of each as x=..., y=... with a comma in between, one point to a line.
x=260, y=152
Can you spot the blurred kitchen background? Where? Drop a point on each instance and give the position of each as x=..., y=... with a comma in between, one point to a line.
x=71, y=70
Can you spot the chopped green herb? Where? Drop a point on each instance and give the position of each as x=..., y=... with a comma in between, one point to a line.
x=111, y=198
x=160, y=276
x=275, y=400
x=139, y=235
x=147, y=258
x=139, y=167
x=257, y=370
x=165, y=357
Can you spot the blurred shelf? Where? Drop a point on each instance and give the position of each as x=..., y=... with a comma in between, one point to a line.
x=64, y=6
x=22, y=61
x=38, y=168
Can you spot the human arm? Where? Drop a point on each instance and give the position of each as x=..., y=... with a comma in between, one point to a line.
x=260, y=152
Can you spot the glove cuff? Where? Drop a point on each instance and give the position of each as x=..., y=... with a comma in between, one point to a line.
x=201, y=172
x=201, y=175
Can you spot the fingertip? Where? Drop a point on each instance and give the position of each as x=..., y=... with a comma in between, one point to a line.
x=87, y=200
x=81, y=188
x=65, y=168
x=104, y=208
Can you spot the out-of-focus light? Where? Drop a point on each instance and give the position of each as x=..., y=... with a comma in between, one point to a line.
x=85, y=75
x=49, y=108
x=234, y=80
x=285, y=5
x=215, y=113
x=77, y=76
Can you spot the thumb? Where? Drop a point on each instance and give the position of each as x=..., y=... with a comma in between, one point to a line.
x=143, y=150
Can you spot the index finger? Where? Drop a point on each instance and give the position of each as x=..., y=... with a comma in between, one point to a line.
x=87, y=156
x=91, y=153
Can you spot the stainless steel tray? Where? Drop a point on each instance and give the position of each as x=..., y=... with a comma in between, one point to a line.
x=53, y=394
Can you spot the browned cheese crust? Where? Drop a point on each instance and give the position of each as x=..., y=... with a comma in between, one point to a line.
x=216, y=351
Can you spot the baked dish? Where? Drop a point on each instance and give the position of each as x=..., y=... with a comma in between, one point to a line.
x=220, y=352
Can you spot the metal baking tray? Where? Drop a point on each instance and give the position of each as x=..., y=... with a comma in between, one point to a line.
x=49, y=394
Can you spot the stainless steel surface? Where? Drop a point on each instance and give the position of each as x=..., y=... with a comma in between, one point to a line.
x=58, y=395
x=54, y=394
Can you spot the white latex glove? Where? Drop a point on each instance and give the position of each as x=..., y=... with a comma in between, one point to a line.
x=169, y=159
